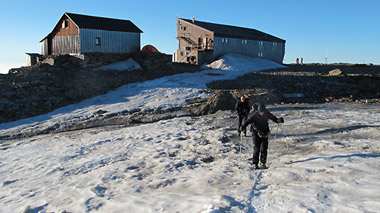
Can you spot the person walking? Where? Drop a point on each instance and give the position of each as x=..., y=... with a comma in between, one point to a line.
x=242, y=109
x=261, y=131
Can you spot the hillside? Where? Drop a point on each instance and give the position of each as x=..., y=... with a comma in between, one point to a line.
x=39, y=89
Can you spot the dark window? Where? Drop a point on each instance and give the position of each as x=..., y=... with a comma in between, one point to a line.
x=65, y=23
x=97, y=41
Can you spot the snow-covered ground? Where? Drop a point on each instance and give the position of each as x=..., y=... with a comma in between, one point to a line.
x=324, y=158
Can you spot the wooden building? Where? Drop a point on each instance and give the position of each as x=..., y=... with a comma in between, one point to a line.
x=202, y=42
x=80, y=34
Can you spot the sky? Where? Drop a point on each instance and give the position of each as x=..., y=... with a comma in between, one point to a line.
x=347, y=30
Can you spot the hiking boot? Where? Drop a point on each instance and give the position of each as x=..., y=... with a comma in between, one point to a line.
x=255, y=166
x=263, y=166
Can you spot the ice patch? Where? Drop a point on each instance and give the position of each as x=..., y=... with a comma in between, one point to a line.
x=127, y=65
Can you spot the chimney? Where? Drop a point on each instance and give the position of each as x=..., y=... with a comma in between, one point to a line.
x=193, y=19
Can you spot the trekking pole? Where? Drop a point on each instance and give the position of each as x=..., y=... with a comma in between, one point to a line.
x=233, y=122
x=286, y=141
x=241, y=141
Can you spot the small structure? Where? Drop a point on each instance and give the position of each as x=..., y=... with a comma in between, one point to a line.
x=32, y=59
x=202, y=42
x=79, y=34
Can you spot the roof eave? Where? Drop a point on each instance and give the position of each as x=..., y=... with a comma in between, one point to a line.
x=64, y=14
x=199, y=27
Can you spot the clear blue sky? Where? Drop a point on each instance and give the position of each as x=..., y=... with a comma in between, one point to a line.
x=349, y=29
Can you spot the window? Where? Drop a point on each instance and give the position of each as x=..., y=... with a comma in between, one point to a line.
x=260, y=54
x=97, y=41
x=184, y=28
x=222, y=40
x=261, y=43
x=274, y=44
x=65, y=23
x=226, y=40
x=244, y=41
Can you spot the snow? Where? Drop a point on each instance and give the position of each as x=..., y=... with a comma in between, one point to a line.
x=127, y=65
x=238, y=63
x=164, y=93
x=324, y=158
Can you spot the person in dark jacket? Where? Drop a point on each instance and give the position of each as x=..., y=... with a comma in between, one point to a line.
x=261, y=131
x=242, y=109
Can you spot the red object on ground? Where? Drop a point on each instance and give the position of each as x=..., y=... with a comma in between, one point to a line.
x=149, y=49
x=213, y=74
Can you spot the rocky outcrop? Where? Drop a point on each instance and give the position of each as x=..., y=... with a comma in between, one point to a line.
x=62, y=80
x=309, y=84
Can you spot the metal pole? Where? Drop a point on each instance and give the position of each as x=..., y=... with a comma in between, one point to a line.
x=286, y=141
x=233, y=122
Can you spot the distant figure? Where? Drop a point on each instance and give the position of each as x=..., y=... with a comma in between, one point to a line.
x=301, y=60
x=297, y=61
x=242, y=109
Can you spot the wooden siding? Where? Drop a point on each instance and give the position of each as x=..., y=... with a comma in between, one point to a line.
x=66, y=44
x=71, y=29
x=192, y=39
x=110, y=41
x=68, y=38
x=44, y=47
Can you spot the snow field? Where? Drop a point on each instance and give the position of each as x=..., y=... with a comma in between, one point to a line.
x=169, y=165
x=324, y=158
x=333, y=164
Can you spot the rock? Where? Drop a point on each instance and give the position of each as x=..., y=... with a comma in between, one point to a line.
x=335, y=72
x=221, y=101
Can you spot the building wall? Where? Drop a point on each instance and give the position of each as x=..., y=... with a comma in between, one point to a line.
x=194, y=33
x=68, y=44
x=263, y=49
x=110, y=41
x=205, y=57
x=44, y=47
x=64, y=39
x=67, y=38
x=69, y=28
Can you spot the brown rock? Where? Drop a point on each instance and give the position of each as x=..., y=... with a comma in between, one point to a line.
x=335, y=72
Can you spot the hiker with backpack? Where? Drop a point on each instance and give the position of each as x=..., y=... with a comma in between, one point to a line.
x=242, y=109
x=261, y=131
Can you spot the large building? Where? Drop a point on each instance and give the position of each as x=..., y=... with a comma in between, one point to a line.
x=80, y=34
x=202, y=42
